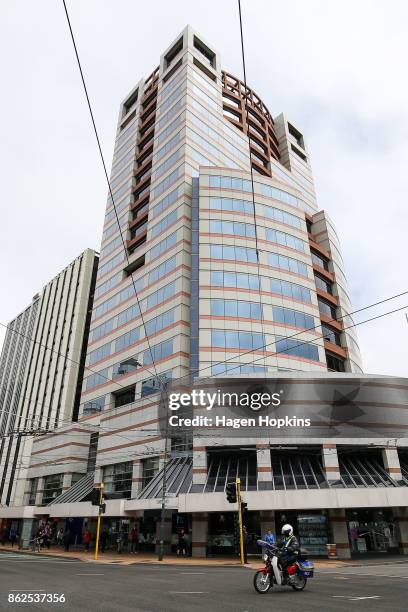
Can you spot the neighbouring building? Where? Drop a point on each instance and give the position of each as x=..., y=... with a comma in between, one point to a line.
x=42, y=369
x=214, y=283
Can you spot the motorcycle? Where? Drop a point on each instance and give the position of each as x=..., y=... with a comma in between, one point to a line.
x=295, y=575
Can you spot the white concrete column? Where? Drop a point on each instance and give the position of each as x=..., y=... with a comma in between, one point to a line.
x=167, y=533
x=401, y=518
x=137, y=477
x=98, y=476
x=199, y=536
x=267, y=519
x=40, y=491
x=338, y=525
x=264, y=467
x=330, y=462
x=199, y=468
x=392, y=463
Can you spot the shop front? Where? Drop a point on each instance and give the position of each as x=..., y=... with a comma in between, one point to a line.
x=372, y=530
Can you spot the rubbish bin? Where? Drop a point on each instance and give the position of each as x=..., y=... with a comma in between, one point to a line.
x=332, y=551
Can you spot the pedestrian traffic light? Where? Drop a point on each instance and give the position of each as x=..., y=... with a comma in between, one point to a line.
x=231, y=492
x=102, y=508
x=244, y=508
x=95, y=496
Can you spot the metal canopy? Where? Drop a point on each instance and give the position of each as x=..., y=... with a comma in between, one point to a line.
x=78, y=492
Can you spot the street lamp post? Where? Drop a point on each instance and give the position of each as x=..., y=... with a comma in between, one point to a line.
x=163, y=388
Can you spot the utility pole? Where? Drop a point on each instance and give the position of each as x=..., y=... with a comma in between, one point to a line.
x=98, y=528
x=163, y=386
x=241, y=527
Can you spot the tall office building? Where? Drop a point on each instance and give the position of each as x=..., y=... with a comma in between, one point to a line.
x=42, y=366
x=182, y=158
x=227, y=272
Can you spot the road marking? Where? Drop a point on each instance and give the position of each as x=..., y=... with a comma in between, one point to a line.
x=187, y=592
x=356, y=575
x=89, y=574
x=192, y=573
x=354, y=598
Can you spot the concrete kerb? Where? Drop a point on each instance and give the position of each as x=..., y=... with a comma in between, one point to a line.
x=128, y=559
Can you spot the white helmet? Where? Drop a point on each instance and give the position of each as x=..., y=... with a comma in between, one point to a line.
x=287, y=530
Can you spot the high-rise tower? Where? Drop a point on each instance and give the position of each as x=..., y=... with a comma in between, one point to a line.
x=182, y=157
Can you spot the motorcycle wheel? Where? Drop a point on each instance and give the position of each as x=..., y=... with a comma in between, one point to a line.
x=262, y=582
x=298, y=582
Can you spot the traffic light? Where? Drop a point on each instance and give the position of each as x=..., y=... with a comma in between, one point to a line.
x=244, y=508
x=95, y=496
x=231, y=492
x=102, y=508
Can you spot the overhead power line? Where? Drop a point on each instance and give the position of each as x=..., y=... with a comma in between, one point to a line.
x=107, y=179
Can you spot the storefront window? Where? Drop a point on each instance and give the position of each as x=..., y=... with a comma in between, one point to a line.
x=372, y=530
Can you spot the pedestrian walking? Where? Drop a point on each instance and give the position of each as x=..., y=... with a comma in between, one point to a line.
x=67, y=539
x=134, y=540
x=60, y=537
x=182, y=543
x=13, y=536
x=87, y=539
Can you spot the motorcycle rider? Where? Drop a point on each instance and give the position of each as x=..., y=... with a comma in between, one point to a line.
x=289, y=548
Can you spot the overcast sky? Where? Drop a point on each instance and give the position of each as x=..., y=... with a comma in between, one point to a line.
x=337, y=69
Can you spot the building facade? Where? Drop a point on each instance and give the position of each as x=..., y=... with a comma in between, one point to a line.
x=43, y=361
x=230, y=269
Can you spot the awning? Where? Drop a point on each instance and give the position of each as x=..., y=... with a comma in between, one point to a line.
x=179, y=477
x=78, y=492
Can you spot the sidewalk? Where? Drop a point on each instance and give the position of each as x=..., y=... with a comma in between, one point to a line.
x=128, y=559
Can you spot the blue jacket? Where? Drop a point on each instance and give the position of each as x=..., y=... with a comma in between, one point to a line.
x=270, y=538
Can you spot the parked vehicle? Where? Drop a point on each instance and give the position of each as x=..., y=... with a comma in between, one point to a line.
x=276, y=572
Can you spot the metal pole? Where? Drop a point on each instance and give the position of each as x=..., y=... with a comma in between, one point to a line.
x=241, y=531
x=163, y=499
x=98, y=528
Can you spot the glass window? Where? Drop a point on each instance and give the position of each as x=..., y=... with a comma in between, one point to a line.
x=160, y=322
x=163, y=246
x=95, y=405
x=233, y=227
x=127, y=339
x=331, y=335
x=52, y=488
x=117, y=478
x=94, y=380
x=334, y=364
x=233, y=253
x=99, y=353
x=236, y=308
x=319, y=261
x=293, y=317
x=165, y=268
x=297, y=348
x=237, y=339
x=326, y=309
x=240, y=280
x=160, y=227
x=287, y=263
x=158, y=352
x=285, y=239
x=278, y=194
x=150, y=467
x=322, y=284
x=290, y=290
